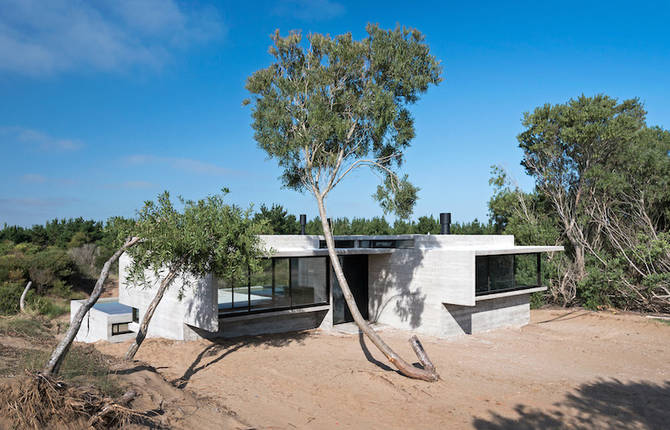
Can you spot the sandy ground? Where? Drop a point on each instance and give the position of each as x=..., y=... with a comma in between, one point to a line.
x=567, y=369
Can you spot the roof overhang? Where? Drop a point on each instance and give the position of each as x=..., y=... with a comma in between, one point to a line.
x=517, y=250
x=322, y=252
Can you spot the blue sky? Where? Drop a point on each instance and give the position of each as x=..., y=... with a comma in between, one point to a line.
x=105, y=104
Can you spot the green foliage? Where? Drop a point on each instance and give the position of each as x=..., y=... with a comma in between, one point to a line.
x=277, y=220
x=331, y=105
x=427, y=225
x=55, y=232
x=207, y=237
x=46, y=306
x=10, y=294
x=50, y=265
x=603, y=190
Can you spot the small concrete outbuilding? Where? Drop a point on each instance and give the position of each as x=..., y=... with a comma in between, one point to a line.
x=439, y=285
x=107, y=320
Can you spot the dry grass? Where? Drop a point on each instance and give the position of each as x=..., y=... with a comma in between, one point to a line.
x=36, y=401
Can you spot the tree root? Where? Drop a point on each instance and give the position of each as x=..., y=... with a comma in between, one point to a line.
x=39, y=401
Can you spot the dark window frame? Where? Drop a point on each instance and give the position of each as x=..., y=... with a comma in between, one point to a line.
x=136, y=315
x=232, y=312
x=115, y=329
x=515, y=286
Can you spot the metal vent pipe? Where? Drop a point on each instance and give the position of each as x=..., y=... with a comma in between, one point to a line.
x=445, y=223
x=303, y=223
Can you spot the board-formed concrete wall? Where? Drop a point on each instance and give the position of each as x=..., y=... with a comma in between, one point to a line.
x=431, y=288
x=197, y=305
x=265, y=323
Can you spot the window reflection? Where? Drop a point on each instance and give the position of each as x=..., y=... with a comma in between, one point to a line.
x=279, y=283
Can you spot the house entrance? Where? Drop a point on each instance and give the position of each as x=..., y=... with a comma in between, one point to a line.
x=355, y=269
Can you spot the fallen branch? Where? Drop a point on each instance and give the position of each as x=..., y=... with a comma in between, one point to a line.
x=421, y=354
x=120, y=405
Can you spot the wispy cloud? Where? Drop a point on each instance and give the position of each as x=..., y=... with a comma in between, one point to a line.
x=310, y=10
x=43, y=38
x=35, y=178
x=131, y=185
x=54, y=202
x=38, y=139
x=184, y=164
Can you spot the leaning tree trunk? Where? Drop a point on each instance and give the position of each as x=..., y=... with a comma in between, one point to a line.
x=59, y=353
x=142, y=333
x=22, y=300
x=428, y=373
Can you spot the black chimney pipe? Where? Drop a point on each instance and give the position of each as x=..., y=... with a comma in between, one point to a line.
x=303, y=223
x=445, y=223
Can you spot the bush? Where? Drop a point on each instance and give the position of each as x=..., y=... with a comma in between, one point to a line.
x=62, y=290
x=45, y=306
x=50, y=265
x=10, y=294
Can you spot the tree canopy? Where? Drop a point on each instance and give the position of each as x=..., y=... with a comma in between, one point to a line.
x=331, y=105
x=602, y=180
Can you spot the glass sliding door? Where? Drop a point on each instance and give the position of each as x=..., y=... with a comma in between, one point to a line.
x=279, y=283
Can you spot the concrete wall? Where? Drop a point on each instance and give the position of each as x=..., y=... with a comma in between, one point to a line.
x=431, y=288
x=265, y=323
x=197, y=306
x=512, y=311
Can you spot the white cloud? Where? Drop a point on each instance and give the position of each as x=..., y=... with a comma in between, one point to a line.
x=179, y=163
x=310, y=10
x=38, y=139
x=43, y=38
x=33, y=178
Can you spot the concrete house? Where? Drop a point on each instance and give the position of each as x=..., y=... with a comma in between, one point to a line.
x=439, y=285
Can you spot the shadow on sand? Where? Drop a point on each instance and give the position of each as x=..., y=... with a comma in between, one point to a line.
x=605, y=404
x=220, y=348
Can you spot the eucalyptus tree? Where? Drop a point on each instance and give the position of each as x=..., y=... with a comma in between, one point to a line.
x=207, y=237
x=606, y=176
x=328, y=106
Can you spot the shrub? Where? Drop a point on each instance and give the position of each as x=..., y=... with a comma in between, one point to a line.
x=50, y=265
x=62, y=290
x=47, y=307
x=10, y=294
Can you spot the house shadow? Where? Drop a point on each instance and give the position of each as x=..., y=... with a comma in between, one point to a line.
x=609, y=404
x=220, y=348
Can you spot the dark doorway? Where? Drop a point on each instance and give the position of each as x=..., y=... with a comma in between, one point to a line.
x=355, y=268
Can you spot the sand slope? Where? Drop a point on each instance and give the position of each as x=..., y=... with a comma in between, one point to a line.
x=567, y=369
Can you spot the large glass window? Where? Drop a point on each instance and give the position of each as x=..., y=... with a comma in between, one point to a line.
x=498, y=273
x=308, y=280
x=279, y=283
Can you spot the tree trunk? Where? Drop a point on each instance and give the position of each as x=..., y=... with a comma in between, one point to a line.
x=142, y=333
x=22, y=301
x=580, y=261
x=404, y=367
x=59, y=353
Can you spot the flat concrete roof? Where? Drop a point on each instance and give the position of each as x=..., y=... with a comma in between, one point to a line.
x=516, y=250
x=478, y=250
x=319, y=252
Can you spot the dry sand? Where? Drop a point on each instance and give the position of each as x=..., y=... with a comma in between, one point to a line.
x=567, y=369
